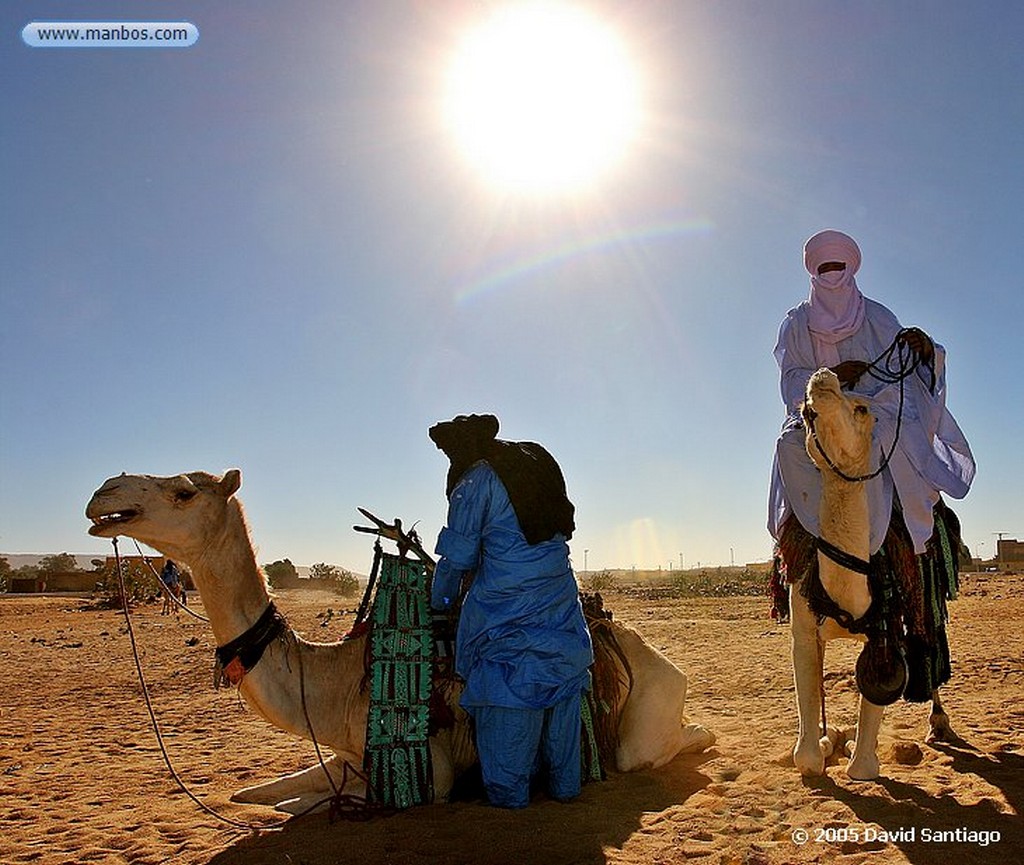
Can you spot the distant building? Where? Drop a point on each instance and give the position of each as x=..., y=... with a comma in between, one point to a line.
x=1010, y=551
x=62, y=581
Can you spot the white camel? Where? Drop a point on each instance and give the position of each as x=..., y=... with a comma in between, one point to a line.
x=843, y=425
x=196, y=518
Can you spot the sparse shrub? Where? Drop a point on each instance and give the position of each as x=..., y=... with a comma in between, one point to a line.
x=600, y=581
x=338, y=579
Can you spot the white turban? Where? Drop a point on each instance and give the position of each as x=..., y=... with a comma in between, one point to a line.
x=831, y=245
x=836, y=304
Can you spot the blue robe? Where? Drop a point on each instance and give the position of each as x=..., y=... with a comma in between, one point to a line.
x=522, y=639
x=523, y=647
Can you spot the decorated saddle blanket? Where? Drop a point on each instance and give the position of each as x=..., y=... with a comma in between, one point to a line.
x=401, y=668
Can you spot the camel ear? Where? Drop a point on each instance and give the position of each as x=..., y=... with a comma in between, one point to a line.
x=230, y=483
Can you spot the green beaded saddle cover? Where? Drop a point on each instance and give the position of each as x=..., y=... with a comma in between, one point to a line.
x=397, y=754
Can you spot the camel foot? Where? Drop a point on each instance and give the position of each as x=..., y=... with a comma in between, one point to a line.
x=696, y=738
x=863, y=767
x=843, y=740
x=939, y=729
x=831, y=743
x=292, y=793
x=809, y=758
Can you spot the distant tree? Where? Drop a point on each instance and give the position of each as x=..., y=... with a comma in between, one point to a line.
x=345, y=583
x=137, y=581
x=281, y=573
x=5, y=574
x=57, y=564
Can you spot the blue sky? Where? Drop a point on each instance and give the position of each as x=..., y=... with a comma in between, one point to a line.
x=265, y=251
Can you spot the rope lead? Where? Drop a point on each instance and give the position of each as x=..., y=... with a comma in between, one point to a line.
x=886, y=373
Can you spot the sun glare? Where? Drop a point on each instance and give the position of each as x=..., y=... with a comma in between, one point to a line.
x=542, y=97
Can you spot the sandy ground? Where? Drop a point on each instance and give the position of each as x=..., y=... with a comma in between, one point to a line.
x=82, y=780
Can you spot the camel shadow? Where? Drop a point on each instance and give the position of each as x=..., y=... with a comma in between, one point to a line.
x=473, y=833
x=987, y=834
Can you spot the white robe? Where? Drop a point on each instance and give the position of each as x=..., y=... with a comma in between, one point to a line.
x=932, y=454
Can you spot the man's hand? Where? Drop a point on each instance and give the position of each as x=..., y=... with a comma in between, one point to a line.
x=919, y=343
x=849, y=371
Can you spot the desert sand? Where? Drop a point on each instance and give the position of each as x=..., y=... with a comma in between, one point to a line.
x=82, y=778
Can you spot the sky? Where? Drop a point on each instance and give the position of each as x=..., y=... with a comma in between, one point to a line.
x=268, y=250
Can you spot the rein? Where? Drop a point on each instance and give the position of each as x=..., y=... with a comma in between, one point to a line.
x=238, y=824
x=882, y=369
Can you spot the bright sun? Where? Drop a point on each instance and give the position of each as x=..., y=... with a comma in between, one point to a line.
x=542, y=98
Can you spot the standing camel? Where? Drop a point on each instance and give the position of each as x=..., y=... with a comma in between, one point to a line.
x=840, y=426
x=315, y=689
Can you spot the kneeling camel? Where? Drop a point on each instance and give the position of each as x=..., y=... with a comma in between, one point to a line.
x=300, y=685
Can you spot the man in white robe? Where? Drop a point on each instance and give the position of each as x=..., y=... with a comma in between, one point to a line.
x=839, y=328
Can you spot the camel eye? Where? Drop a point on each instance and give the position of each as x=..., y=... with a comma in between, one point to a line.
x=184, y=495
x=860, y=409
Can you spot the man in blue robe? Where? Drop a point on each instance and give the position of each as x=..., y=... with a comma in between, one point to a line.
x=522, y=647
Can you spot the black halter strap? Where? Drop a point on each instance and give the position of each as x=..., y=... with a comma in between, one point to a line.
x=824, y=607
x=246, y=650
x=843, y=558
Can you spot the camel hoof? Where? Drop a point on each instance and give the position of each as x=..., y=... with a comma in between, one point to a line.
x=696, y=738
x=810, y=761
x=865, y=769
x=254, y=796
x=939, y=729
x=834, y=741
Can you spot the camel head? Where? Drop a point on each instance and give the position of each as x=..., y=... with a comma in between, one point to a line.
x=843, y=424
x=179, y=516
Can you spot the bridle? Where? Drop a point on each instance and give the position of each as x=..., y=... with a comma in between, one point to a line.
x=809, y=415
x=896, y=364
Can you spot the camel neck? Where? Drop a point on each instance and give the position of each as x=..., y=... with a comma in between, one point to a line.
x=233, y=589
x=845, y=524
x=844, y=516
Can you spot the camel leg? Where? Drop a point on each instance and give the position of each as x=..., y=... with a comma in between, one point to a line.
x=864, y=765
x=808, y=755
x=298, y=791
x=939, y=729
x=651, y=728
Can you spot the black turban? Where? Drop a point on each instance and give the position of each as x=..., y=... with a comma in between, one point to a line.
x=528, y=472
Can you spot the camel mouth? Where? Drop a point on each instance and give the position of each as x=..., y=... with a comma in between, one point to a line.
x=102, y=523
x=823, y=383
